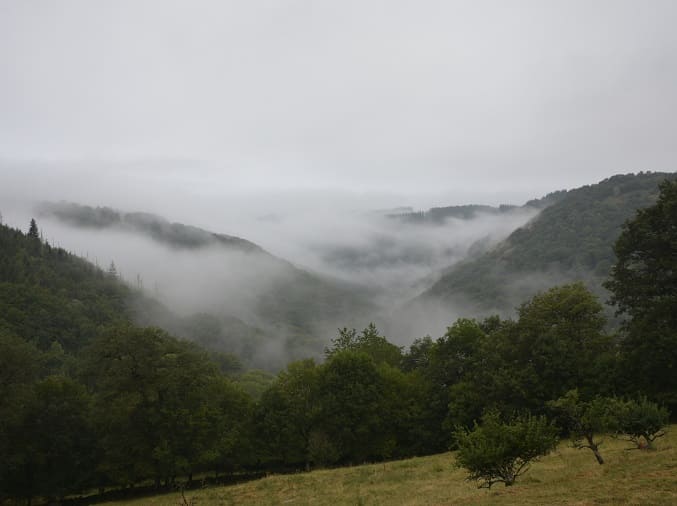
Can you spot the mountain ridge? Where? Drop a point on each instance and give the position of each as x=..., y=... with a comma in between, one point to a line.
x=173, y=234
x=570, y=239
x=255, y=299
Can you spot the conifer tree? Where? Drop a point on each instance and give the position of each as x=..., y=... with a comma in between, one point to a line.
x=112, y=271
x=33, y=230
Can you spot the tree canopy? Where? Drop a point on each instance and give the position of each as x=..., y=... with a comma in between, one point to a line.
x=644, y=286
x=90, y=399
x=499, y=451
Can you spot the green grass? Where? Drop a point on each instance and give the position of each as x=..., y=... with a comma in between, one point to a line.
x=567, y=476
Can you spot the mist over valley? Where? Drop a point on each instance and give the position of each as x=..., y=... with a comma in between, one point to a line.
x=246, y=239
x=357, y=264
x=281, y=289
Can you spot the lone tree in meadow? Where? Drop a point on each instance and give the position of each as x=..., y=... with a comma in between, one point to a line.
x=585, y=420
x=498, y=451
x=640, y=420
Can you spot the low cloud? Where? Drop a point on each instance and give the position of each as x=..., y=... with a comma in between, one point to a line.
x=342, y=239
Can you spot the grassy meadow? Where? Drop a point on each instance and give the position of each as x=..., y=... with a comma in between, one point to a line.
x=567, y=476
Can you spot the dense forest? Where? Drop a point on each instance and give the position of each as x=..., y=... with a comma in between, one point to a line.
x=93, y=401
x=571, y=239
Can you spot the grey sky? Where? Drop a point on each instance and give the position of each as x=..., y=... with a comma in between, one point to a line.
x=400, y=97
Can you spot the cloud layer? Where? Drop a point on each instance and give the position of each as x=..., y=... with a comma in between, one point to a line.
x=369, y=95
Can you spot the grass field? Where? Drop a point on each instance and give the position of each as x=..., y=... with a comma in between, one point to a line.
x=567, y=476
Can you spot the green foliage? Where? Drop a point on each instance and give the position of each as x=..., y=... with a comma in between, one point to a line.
x=559, y=344
x=569, y=240
x=346, y=410
x=321, y=450
x=492, y=380
x=228, y=363
x=286, y=416
x=556, y=345
x=225, y=439
x=56, y=440
x=346, y=340
x=19, y=371
x=350, y=390
x=45, y=436
x=586, y=419
x=643, y=279
x=457, y=350
x=370, y=342
x=644, y=286
x=405, y=411
x=254, y=382
x=498, y=451
x=33, y=230
x=453, y=365
x=160, y=406
x=418, y=356
x=91, y=400
x=48, y=295
x=641, y=419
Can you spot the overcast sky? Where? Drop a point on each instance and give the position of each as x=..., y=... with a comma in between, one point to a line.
x=419, y=97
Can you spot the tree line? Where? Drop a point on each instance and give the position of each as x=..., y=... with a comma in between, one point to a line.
x=132, y=406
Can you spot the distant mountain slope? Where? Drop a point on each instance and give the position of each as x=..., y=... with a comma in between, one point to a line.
x=61, y=302
x=175, y=235
x=439, y=215
x=570, y=239
x=242, y=282
x=49, y=296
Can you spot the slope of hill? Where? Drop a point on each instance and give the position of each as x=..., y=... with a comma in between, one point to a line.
x=439, y=215
x=571, y=239
x=245, y=296
x=175, y=235
x=49, y=296
x=568, y=476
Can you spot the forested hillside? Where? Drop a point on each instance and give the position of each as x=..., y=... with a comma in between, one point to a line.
x=78, y=378
x=91, y=401
x=439, y=215
x=570, y=239
x=176, y=235
x=246, y=300
x=60, y=302
x=50, y=297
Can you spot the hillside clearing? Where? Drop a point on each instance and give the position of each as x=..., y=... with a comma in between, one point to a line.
x=567, y=476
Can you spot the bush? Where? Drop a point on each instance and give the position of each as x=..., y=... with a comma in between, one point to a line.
x=642, y=419
x=499, y=451
x=585, y=420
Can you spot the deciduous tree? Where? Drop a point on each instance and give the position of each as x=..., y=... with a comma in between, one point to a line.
x=644, y=286
x=498, y=451
x=585, y=420
x=641, y=419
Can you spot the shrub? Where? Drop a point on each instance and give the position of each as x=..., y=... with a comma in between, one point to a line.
x=642, y=419
x=586, y=420
x=499, y=451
